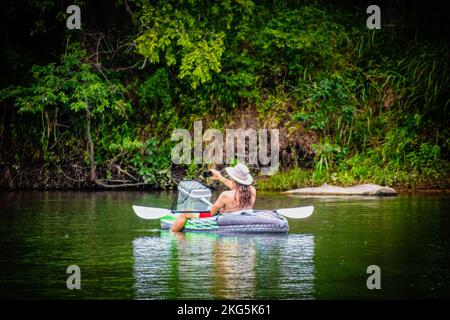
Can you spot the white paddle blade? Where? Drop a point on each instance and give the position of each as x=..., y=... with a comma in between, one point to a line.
x=150, y=213
x=296, y=213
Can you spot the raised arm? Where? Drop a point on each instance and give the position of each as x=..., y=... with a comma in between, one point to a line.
x=218, y=176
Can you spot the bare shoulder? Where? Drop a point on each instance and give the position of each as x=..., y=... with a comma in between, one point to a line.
x=227, y=194
x=253, y=189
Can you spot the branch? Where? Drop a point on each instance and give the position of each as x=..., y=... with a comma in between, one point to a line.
x=127, y=68
x=128, y=9
x=74, y=180
x=143, y=65
x=114, y=181
x=125, y=185
x=120, y=170
x=99, y=69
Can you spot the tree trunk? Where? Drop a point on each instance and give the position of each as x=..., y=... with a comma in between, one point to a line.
x=92, y=175
x=128, y=9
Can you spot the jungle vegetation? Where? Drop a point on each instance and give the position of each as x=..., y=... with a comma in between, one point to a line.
x=95, y=108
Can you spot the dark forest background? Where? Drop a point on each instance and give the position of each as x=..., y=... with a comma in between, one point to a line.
x=95, y=108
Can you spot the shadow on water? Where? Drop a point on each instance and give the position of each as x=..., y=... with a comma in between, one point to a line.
x=217, y=266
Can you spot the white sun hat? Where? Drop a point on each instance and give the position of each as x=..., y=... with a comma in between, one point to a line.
x=240, y=173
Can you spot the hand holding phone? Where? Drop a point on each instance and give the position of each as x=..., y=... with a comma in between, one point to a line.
x=207, y=174
x=215, y=174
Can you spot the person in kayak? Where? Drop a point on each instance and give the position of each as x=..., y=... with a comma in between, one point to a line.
x=241, y=195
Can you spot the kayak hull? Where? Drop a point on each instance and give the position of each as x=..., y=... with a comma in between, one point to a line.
x=257, y=221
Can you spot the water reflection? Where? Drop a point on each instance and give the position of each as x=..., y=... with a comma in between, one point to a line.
x=213, y=266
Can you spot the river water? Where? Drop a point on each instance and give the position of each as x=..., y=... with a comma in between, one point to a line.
x=123, y=257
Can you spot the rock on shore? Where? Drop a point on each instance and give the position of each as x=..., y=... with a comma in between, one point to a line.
x=358, y=190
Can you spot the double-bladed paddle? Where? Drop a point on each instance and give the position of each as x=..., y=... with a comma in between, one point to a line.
x=157, y=213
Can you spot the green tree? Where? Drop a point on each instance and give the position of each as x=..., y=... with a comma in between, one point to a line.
x=72, y=87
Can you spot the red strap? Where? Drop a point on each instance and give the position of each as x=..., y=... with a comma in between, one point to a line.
x=205, y=215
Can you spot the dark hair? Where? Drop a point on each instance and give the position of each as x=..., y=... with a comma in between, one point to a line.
x=245, y=195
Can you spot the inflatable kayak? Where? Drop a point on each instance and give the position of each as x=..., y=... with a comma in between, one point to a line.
x=193, y=197
x=243, y=221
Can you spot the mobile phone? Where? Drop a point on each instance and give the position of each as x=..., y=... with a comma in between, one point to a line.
x=207, y=174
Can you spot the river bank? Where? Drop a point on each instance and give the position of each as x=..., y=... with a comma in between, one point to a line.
x=352, y=106
x=75, y=178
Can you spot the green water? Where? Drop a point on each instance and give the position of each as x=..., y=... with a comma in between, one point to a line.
x=123, y=257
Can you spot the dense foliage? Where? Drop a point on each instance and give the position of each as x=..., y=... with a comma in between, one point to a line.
x=98, y=107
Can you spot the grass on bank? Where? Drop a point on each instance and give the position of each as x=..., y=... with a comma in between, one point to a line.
x=400, y=178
